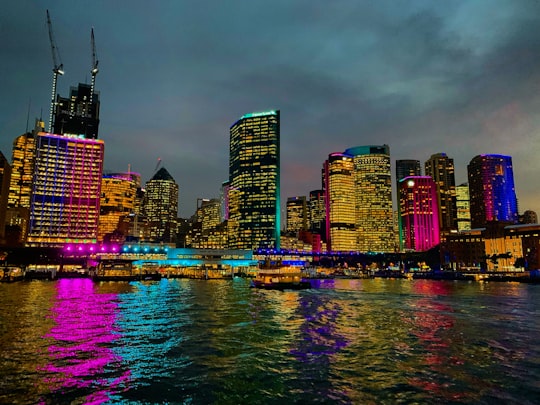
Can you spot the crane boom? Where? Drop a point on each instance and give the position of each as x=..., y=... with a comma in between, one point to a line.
x=58, y=69
x=95, y=62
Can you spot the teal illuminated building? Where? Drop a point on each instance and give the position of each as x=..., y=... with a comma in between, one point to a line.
x=254, y=175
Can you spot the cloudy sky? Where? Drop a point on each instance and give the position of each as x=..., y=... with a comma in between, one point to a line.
x=459, y=77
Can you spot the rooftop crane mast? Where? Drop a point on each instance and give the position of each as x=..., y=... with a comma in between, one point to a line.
x=58, y=69
x=95, y=62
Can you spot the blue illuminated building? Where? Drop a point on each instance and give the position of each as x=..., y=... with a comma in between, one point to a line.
x=491, y=189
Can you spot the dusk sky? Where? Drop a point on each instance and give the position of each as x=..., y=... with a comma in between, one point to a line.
x=424, y=77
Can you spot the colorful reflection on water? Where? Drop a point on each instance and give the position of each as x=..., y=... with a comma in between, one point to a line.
x=343, y=342
x=81, y=356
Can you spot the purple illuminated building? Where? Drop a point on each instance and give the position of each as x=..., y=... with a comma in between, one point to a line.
x=66, y=190
x=419, y=212
x=491, y=189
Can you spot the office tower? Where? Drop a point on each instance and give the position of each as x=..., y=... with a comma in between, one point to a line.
x=297, y=215
x=491, y=189
x=161, y=206
x=66, y=190
x=339, y=188
x=374, y=221
x=441, y=169
x=419, y=212
x=208, y=214
x=316, y=212
x=23, y=163
x=118, y=192
x=463, y=207
x=404, y=168
x=78, y=114
x=529, y=217
x=5, y=176
x=254, y=179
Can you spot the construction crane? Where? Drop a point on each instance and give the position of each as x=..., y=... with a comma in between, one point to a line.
x=58, y=69
x=95, y=62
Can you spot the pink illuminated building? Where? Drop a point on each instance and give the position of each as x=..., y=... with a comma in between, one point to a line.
x=66, y=190
x=419, y=212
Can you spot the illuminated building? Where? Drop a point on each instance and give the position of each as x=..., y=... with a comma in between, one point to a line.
x=118, y=192
x=5, y=176
x=463, y=207
x=441, y=169
x=161, y=206
x=23, y=162
x=208, y=213
x=297, y=217
x=404, y=168
x=224, y=197
x=78, y=114
x=254, y=181
x=66, y=190
x=419, y=212
x=316, y=212
x=340, y=203
x=374, y=223
x=491, y=188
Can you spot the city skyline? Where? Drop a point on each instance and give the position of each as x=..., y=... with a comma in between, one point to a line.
x=455, y=78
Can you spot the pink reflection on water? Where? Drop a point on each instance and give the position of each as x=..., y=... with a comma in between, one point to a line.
x=81, y=356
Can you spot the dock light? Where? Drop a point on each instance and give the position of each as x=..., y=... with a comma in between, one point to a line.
x=114, y=249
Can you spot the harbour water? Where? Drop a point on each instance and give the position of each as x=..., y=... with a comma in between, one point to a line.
x=374, y=341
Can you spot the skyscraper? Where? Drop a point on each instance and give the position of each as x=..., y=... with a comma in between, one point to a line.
x=66, y=190
x=297, y=216
x=316, y=209
x=419, y=212
x=463, y=207
x=118, y=193
x=491, y=188
x=374, y=222
x=5, y=176
x=254, y=181
x=78, y=114
x=23, y=163
x=441, y=169
x=161, y=206
x=339, y=188
x=404, y=168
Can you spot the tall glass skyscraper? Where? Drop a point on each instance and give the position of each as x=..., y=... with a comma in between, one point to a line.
x=441, y=169
x=419, y=212
x=254, y=181
x=66, y=190
x=491, y=189
x=297, y=214
x=374, y=218
x=339, y=188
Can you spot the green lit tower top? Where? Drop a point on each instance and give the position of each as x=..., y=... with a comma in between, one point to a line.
x=254, y=193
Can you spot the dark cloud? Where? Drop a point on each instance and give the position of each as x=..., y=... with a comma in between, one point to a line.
x=424, y=77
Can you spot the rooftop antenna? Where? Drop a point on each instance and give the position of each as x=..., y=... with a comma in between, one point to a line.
x=58, y=69
x=28, y=114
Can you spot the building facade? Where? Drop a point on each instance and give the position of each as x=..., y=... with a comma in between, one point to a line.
x=374, y=218
x=78, y=114
x=160, y=207
x=5, y=177
x=339, y=188
x=66, y=190
x=254, y=182
x=463, y=207
x=297, y=214
x=441, y=169
x=404, y=168
x=118, y=192
x=419, y=213
x=491, y=189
